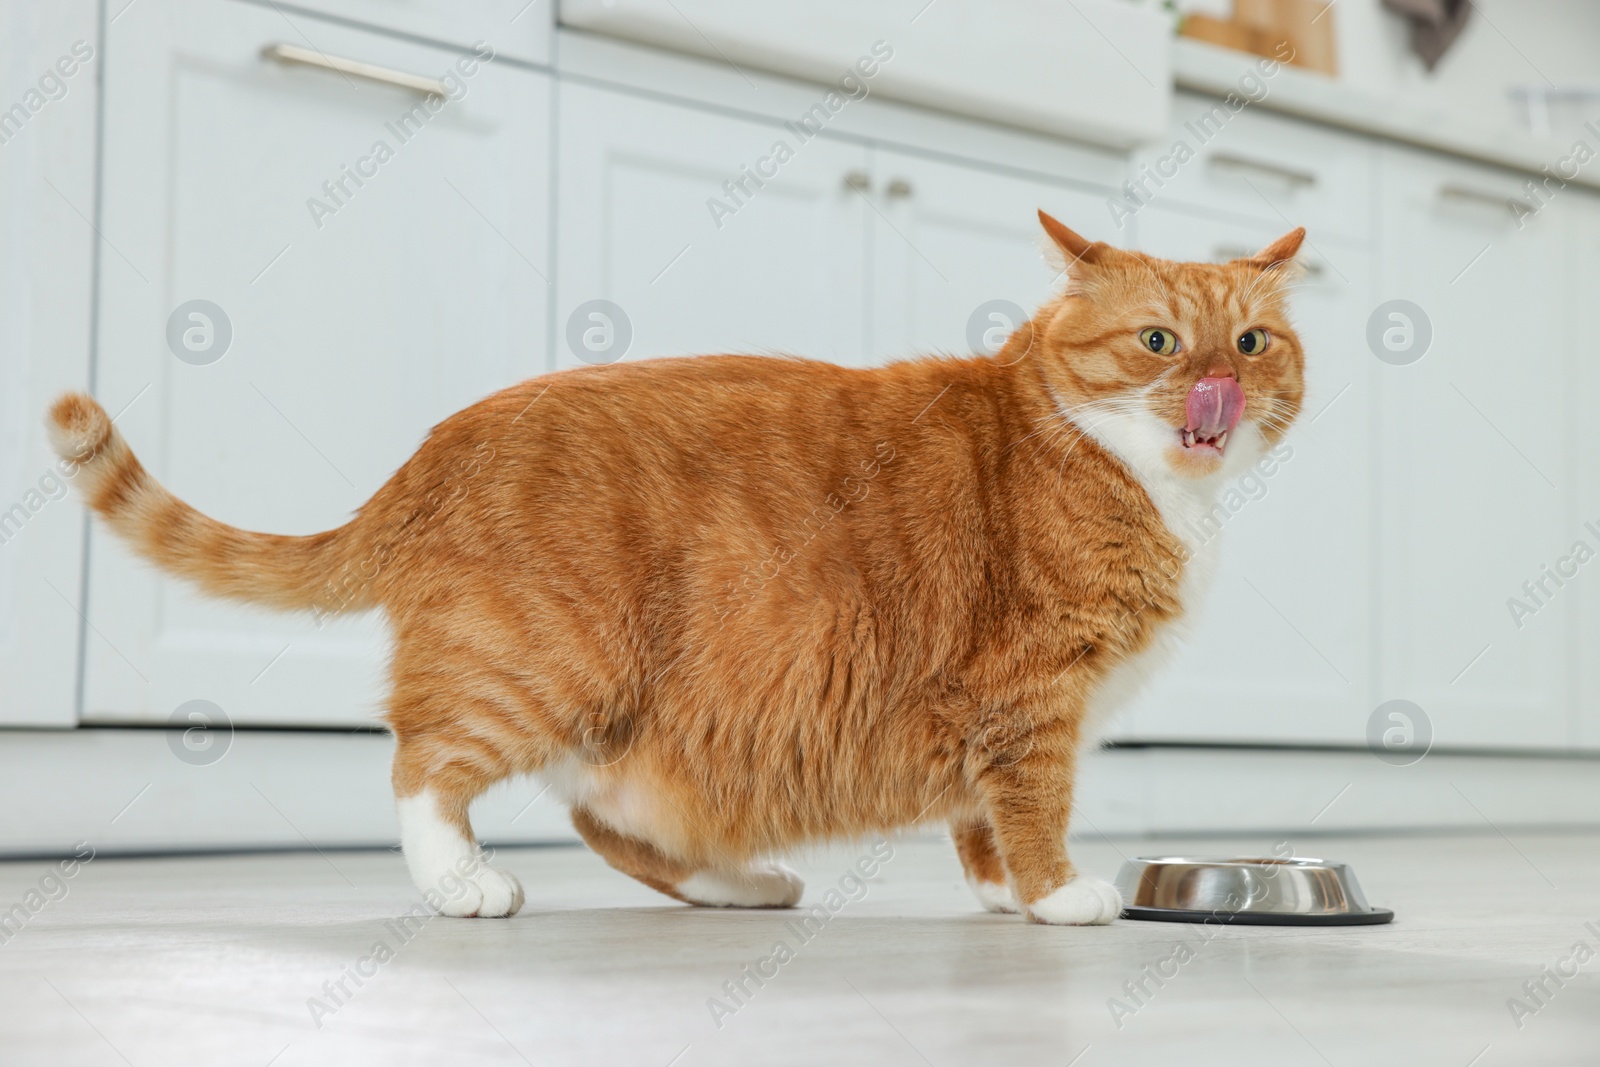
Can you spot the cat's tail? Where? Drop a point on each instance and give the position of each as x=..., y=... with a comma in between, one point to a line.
x=271, y=569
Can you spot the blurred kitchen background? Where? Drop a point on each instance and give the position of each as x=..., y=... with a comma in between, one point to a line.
x=282, y=240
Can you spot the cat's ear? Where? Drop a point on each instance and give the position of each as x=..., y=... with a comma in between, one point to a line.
x=1280, y=251
x=1075, y=248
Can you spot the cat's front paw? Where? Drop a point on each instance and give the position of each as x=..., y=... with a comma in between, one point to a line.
x=995, y=896
x=1083, y=901
x=760, y=885
x=485, y=893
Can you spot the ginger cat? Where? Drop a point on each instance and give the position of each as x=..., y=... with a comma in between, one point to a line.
x=731, y=604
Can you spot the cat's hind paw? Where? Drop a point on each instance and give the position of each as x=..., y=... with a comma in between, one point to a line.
x=1082, y=901
x=760, y=885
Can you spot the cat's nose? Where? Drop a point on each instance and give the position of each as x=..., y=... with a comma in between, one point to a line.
x=1220, y=369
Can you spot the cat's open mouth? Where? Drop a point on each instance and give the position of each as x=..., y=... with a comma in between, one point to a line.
x=1200, y=444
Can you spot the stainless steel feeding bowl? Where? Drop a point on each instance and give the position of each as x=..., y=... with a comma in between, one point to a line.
x=1250, y=889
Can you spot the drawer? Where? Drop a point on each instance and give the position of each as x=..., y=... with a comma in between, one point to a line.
x=1254, y=164
x=1486, y=202
x=516, y=29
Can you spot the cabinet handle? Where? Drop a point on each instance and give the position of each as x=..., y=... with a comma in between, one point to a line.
x=306, y=57
x=1477, y=196
x=1224, y=253
x=1229, y=161
x=899, y=189
x=858, y=180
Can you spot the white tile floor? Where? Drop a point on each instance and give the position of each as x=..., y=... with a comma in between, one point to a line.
x=213, y=961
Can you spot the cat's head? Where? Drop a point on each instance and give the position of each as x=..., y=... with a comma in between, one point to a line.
x=1188, y=368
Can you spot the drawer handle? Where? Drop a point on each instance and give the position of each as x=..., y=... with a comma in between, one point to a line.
x=1229, y=161
x=306, y=57
x=1477, y=196
x=1225, y=253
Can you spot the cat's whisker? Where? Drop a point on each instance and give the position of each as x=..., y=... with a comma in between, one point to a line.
x=1044, y=425
x=1251, y=288
x=1056, y=426
x=1167, y=293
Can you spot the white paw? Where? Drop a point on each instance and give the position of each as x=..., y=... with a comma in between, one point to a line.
x=760, y=885
x=1083, y=901
x=994, y=896
x=449, y=868
x=484, y=892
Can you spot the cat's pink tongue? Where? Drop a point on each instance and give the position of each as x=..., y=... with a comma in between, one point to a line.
x=1214, y=406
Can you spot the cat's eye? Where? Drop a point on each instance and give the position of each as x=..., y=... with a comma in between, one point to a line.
x=1160, y=341
x=1253, y=342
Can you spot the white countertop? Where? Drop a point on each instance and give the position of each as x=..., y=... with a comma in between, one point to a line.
x=959, y=56
x=728, y=34
x=1207, y=68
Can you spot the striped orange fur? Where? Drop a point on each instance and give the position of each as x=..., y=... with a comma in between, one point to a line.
x=731, y=604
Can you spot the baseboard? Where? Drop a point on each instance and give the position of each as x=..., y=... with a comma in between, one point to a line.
x=128, y=790
x=1201, y=790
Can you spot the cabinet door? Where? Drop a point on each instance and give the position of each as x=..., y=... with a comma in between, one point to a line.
x=1476, y=459
x=1279, y=649
x=47, y=183
x=378, y=266
x=703, y=235
x=949, y=242
x=1254, y=164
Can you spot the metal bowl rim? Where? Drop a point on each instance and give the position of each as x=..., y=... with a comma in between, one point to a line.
x=1237, y=861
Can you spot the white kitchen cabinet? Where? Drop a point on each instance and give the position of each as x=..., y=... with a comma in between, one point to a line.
x=1279, y=650
x=359, y=317
x=1375, y=563
x=651, y=221
x=949, y=240
x=1476, y=466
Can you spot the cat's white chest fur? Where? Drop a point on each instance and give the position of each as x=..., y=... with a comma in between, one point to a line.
x=1141, y=442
